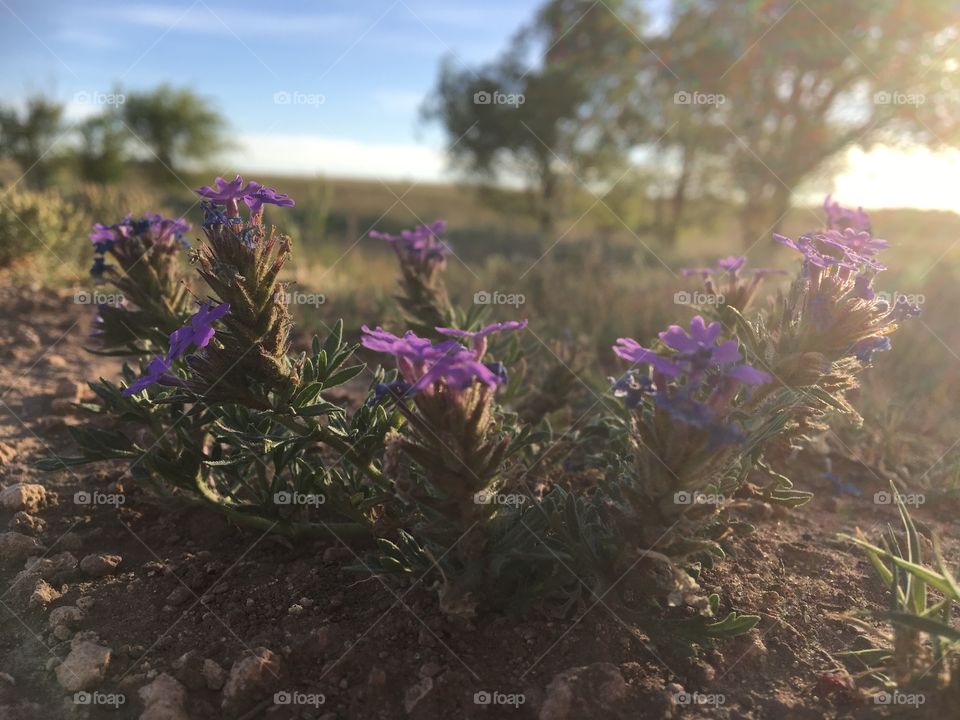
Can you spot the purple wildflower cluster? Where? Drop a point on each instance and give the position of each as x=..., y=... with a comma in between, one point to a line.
x=230, y=194
x=841, y=218
x=197, y=332
x=696, y=366
x=426, y=367
x=736, y=290
x=128, y=239
x=420, y=247
x=848, y=247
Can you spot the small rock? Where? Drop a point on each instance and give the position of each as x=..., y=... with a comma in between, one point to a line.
x=430, y=669
x=416, y=693
x=251, y=678
x=99, y=565
x=15, y=548
x=69, y=389
x=28, y=497
x=7, y=679
x=62, y=633
x=7, y=454
x=179, y=595
x=68, y=615
x=86, y=603
x=55, y=361
x=85, y=666
x=164, y=699
x=591, y=691
x=43, y=594
x=295, y=609
x=213, y=674
x=188, y=669
x=25, y=523
x=71, y=541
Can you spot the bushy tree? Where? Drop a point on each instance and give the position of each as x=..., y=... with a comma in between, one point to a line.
x=29, y=138
x=174, y=126
x=529, y=115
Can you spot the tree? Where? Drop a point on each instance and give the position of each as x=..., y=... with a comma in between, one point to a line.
x=175, y=125
x=533, y=120
x=102, y=156
x=771, y=96
x=29, y=138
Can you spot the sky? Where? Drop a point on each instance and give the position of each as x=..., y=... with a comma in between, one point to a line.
x=329, y=87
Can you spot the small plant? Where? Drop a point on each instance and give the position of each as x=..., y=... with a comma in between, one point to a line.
x=36, y=222
x=138, y=257
x=430, y=466
x=922, y=602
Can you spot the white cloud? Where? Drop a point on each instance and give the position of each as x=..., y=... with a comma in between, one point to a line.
x=202, y=18
x=341, y=157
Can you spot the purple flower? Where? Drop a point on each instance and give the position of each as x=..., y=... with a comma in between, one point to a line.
x=859, y=242
x=156, y=370
x=862, y=287
x=631, y=388
x=197, y=332
x=266, y=196
x=425, y=366
x=695, y=352
x=253, y=194
x=732, y=263
x=630, y=349
x=478, y=338
x=814, y=256
x=420, y=247
x=840, y=218
x=865, y=349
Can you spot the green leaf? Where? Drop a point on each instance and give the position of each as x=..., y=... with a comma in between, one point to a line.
x=732, y=625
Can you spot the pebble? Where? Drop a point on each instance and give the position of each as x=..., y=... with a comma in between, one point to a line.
x=28, y=497
x=15, y=548
x=99, y=565
x=163, y=699
x=85, y=666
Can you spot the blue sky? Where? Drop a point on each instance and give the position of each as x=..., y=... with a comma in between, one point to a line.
x=354, y=72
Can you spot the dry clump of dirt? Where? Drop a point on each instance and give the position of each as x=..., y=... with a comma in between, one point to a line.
x=117, y=604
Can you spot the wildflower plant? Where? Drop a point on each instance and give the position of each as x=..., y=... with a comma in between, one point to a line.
x=922, y=600
x=431, y=463
x=138, y=257
x=455, y=437
x=422, y=256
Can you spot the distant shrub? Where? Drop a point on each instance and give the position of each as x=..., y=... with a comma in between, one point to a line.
x=32, y=222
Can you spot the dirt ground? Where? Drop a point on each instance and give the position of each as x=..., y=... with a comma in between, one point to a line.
x=190, y=617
